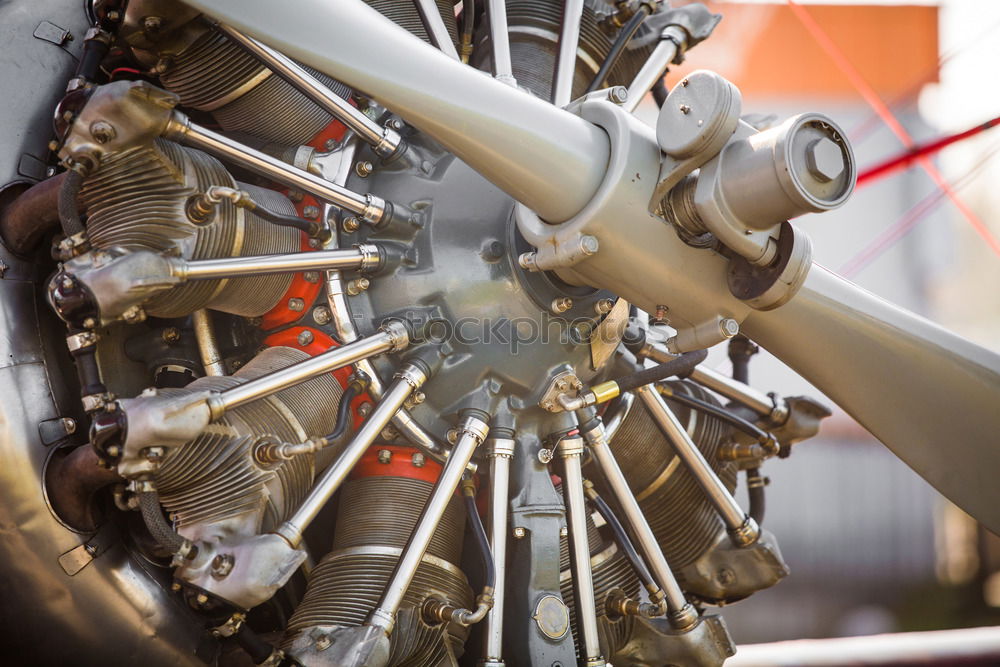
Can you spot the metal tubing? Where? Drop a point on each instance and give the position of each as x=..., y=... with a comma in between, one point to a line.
x=393, y=337
x=384, y=140
x=662, y=55
x=208, y=345
x=680, y=613
x=410, y=378
x=181, y=129
x=514, y=138
x=742, y=529
x=734, y=390
x=472, y=433
x=436, y=28
x=570, y=449
x=500, y=452
x=225, y=267
x=500, y=41
x=569, y=40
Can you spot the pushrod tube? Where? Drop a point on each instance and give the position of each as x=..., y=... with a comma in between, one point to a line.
x=436, y=28
x=409, y=378
x=385, y=141
x=734, y=390
x=181, y=129
x=570, y=450
x=500, y=41
x=472, y=432
x=743, y=530
x=393, y=337
x=208, y=345
x=671, y=40
x=501, y=450
x=569, y=40
x=680, y=613
x=364, y=257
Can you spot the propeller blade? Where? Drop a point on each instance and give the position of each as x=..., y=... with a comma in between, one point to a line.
x=929, y=395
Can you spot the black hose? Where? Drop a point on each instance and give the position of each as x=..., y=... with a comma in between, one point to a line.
x=344, y=412
x=755, y=494
x=156, y=523
x=69, y=210
x=621, y=41
x=681, y=366
x=735, y=420
x=255, y=647
x=621, y=537
x=468, y=21
x=659, y=91
x=489, y=567
x=311, y=228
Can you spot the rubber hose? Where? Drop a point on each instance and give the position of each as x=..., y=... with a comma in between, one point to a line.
x=755, y=494
x=69, y=210
x=621, y=41
x=156, y=523
x=621, y=537
x=489, y=567
x=344, y=412
x=735, y=420
x=255, y=647
x=681, y=366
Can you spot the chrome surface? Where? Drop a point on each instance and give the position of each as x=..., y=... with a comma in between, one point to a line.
x=208, y=345
x=223, y=267
x=734, y=390
x=407, y=381
x=569, y=449
x=653, y=69
x=569, y=39
x=692, y=458
x=500, y=452
x=472, y=432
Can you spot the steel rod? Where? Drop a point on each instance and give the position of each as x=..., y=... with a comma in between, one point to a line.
x=569, y=40
x=501, y=450
x=742, y=529
x=208, y=345
x=500, y=41
x=680, y=613
x=410, y=378
x=384, y=140
x=436, y=29
x=570, y=449
x=181, y=129
x=656, y=64
x=472, y=432
x=392, y=337
x=734, y=390
x=359, y=257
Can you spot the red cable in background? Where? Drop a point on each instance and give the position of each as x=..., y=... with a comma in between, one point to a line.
x=876, y=103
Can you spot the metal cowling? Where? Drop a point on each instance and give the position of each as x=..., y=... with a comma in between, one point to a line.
x=375, y=517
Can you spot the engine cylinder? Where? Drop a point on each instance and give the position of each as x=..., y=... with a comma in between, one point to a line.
x=137, y=200
x=378, y=509
x=215, y=479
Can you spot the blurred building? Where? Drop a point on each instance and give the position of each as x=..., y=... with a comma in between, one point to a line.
x=872, y=547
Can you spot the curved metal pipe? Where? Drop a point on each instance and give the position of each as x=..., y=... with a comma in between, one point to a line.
x=34, y=213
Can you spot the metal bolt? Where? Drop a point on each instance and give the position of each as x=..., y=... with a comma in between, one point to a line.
x=418, y=460
x=329, y=145
x=519, y=532
x=364, y=168
x=365, y=409
x=323, y=643
x=358, y=286
x=222, y=565
x=310, y=212
x=171, y=335
x=154, y=454
x=384, y=456
x=563, y=532
x=305, y=337
x=322, y=315
x=685, y=109
x=389, y=433
x=69, y=425
x=589, y=245
x=725, y=576
x=685, y=83
x=729, y=327
x=296, y=304
x=311, y=276
x=102, y=131
x=527, y=261
x=152, y=23
x=604, y=306
x=825, y=160
x=201, y=599
x=350, y=224
x=419, y=397
x=452, y=435
x=618, y=94
x=661, y=313
x=314, y=243
x=114, y=15
x=395, y=124
x=545, y=455
x=561, y=304
x=175, y=587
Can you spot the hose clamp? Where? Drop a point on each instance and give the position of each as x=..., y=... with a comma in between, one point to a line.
x=371, y=257
x=412, y=375
x=474, y=427
x=501, y=447
x=374, y=210
x=388, y=144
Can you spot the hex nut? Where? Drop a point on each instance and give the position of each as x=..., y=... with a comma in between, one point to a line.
x=825, y=160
